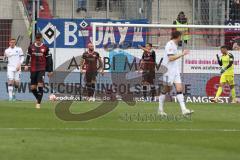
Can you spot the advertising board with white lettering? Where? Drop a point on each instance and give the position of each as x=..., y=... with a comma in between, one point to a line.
x=76, y=33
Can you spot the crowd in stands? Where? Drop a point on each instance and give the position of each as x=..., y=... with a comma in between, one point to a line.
x=82, y=5
x=101, y=5
x=29, y=5
x=234, y=10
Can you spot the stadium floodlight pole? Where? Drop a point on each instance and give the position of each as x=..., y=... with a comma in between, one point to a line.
x=108, y=5
x=126, y=10
x=73, y=6
x=158, y=15
x=222, y=22
x=87, y=7
x=33, y=20
x=38, y=6
x=199, y=11
x=228, y=8
x=54, y=8
x=193, y=20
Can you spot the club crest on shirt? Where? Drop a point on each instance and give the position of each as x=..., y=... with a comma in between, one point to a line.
x=42, y=50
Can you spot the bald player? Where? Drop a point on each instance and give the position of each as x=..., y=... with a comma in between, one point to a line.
x=91, y=63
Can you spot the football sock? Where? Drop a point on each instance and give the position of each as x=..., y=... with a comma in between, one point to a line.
x=10, y=91
x=40, y=95
x=93, y=89
x=219, y=92
x=161, y=102
x=15, y=90
x=89, y=90
x=153, y=91
x=35, y=93
x=233, y=92
x=145, y=92
x=180, y=99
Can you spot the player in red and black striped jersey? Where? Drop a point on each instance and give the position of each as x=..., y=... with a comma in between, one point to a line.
x=147, y=65
x=41, y=62
x=91, y=63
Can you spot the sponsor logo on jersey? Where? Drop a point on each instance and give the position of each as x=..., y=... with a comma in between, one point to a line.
x=38, y=54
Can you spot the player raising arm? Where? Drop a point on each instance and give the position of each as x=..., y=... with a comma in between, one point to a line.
x=227, y=73
x=147, y=64
x=92, y=63
x=41, y=62
x=15, y=58
x=172, y=76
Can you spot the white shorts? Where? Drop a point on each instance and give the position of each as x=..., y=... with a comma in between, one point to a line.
x=13, y=75
x=171, y=78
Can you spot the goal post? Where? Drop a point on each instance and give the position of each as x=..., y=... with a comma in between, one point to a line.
x=200, y=70
x=95, y=25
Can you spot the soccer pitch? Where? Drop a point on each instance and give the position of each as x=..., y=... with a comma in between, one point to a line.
x=212, y=132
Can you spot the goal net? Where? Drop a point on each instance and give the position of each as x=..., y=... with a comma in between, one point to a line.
x=118, y=44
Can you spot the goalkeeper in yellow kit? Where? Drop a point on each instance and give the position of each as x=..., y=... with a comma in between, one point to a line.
x=227, y=73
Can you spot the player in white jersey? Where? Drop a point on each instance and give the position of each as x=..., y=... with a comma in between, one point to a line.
x=15, y=58
x=172, y=76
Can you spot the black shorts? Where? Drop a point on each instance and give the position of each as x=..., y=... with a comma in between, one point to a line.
x=37, y=77
x=148, y=76
x=90, y=77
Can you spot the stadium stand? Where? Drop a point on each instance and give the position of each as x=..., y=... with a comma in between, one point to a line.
x=13, y=23
x=156, y=11
x=5, y=34
x=44, y=11
x=5, y=25
x=235, y=10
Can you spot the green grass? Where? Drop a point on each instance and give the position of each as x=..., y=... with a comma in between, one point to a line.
x=213, y=132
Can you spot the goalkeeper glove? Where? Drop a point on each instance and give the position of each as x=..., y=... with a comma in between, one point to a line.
x=223, y=70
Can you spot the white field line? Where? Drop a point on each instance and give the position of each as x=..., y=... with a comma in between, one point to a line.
x=122, y=129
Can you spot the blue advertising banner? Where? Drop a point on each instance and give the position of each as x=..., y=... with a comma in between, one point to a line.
x=76, y=33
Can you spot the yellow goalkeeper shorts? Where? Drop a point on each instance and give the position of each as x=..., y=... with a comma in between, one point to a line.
x=229, y=79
